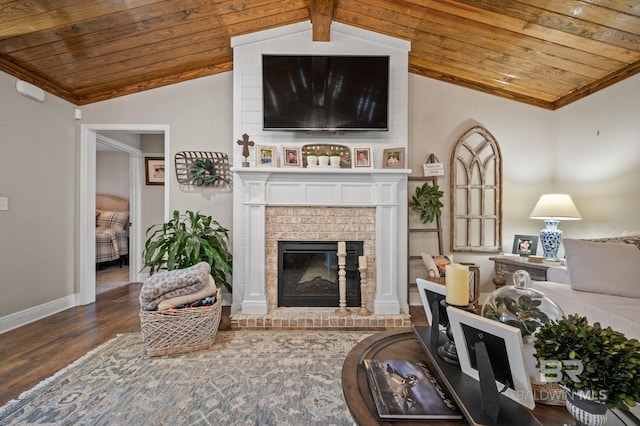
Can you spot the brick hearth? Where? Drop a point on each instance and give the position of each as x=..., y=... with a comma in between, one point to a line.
x=317, y=319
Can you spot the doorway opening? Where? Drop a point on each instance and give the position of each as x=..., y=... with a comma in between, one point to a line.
x=90, y=134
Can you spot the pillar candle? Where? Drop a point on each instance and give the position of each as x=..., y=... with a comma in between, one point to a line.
x=342, y=247
x=362, y=263
x=457, y=283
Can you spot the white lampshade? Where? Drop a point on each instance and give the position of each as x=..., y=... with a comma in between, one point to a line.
x=555, y=206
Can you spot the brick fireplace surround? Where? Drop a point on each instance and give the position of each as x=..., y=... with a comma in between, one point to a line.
x=318, y=205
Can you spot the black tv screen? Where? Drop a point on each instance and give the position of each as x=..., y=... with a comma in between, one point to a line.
x=310, y=92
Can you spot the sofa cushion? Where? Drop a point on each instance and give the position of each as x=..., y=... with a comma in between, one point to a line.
x=602, y=267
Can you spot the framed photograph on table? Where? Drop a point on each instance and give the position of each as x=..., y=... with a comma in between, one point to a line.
x=504, y=348
x=393, y=158
x=154, y=170
x=266, y=156
x=291, y=156
x=525, y=245
x=431, y=292
x=362, y=157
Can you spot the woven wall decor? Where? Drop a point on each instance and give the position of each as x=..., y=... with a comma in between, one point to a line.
x=203, y=168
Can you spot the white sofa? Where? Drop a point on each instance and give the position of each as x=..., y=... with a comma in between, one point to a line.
x=601, y=281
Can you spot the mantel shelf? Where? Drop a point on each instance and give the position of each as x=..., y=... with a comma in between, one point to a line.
x=318, y=170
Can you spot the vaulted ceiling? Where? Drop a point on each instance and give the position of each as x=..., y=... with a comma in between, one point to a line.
x=547, y=53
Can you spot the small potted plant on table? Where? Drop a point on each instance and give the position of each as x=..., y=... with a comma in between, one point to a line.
x=598, y=367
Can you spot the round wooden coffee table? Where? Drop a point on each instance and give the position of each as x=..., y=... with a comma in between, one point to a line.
x=402, y=344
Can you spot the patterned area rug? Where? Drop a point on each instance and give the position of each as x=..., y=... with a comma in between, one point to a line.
x=245, y=378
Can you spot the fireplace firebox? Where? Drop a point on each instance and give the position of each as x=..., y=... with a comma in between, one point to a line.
x=308, y=273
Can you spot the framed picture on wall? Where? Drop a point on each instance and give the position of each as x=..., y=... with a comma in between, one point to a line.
x=266, y=156
x=154, y=170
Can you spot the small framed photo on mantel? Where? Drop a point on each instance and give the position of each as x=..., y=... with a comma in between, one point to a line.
x=393, y=158
x=362, y=157
x=266, y=156
x=291, y=156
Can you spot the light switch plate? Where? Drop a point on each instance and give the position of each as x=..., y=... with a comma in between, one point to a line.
x=4, y=203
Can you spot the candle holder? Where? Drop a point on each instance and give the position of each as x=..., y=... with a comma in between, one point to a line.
x=342, y=285
x=363, y=311
x=447, y=351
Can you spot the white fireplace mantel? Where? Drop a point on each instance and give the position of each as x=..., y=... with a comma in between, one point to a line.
x=255, y=188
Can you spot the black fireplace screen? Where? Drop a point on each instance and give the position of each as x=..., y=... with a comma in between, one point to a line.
x=308, y=273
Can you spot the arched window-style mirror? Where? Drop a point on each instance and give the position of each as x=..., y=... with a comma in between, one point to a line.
x=476, y=193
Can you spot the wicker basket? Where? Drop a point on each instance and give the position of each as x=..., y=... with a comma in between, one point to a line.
x=180, y=330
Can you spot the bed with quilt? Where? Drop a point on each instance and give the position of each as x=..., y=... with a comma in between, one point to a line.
x=112, y=229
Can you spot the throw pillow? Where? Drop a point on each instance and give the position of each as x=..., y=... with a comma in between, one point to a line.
x=586, y=261
x=432, y=268
x=116, y=219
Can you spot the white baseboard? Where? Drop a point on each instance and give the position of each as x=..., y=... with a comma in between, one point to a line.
x=18, y=319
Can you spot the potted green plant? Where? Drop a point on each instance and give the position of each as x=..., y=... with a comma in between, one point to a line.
x=312, y=159
x=334, y=159
x=426, y=202
x=186, y=240
x=594, y=364
x=323, y=158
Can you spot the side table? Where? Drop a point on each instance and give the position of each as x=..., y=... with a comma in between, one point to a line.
x=510, y=264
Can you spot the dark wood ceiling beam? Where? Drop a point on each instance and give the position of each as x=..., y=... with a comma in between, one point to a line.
x=321, y=16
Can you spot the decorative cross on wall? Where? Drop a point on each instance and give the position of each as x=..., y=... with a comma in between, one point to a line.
x=246, y=143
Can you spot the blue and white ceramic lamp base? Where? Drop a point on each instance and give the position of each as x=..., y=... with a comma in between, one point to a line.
x=551, y=237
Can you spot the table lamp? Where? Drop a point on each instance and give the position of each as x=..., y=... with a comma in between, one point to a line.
x=552, y=208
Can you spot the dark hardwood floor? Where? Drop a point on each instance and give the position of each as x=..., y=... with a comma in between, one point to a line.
x=36, y=351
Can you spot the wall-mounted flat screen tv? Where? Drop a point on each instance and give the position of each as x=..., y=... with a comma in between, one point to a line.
x=325, y=93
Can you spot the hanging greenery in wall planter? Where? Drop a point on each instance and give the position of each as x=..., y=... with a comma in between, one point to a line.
x=426, y=202
x=202, y=172
x=203, y=168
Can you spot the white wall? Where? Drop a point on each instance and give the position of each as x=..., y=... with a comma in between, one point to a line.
x=598, y=160
x=112, y=173
x=38, y=173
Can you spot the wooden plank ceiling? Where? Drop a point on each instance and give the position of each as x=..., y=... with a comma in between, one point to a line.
x=546, y=53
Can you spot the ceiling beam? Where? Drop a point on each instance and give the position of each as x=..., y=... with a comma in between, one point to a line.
x=321, y=15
